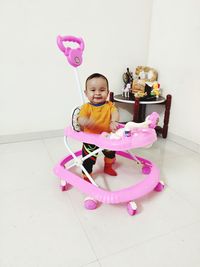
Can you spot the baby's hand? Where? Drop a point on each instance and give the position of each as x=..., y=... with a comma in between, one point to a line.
x=86, y=122
x=114, y=126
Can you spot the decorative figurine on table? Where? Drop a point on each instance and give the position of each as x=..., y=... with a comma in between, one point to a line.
x=126, y=90
x=128, y=80
x=156, y=89
x=145, y=85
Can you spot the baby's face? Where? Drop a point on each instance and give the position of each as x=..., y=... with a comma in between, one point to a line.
x=97, y=90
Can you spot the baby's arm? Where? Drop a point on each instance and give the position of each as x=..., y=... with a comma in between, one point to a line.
x=85, y=122
x=114, y=120
x=84, y=119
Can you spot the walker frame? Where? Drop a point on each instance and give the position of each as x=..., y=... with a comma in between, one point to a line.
x=142, y=137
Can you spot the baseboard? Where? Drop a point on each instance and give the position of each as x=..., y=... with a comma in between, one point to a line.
x=13, y=138
x=184, y=142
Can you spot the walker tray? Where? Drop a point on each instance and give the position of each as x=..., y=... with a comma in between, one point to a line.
x=142, y=137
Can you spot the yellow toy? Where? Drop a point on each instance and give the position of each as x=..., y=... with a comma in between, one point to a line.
x=156, y=89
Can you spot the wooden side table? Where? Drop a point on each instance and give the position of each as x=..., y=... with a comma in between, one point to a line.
x=139, y=109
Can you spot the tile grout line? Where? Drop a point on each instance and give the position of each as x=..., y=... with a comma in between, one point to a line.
x=89, y=241
x=182, y=197
x=48, y=152
x=150, y=240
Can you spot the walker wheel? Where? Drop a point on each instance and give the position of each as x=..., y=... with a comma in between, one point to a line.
x=63, y=188
x=146, y=169
x=132, y=208
x=90, y=203
x=159, y=187
x=63, y=185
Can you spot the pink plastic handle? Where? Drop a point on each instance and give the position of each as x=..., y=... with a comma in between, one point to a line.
x=74, y=55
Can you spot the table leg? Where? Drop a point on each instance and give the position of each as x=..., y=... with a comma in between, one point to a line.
x=136, y=108
x=111, y=97
x=142, y=112
x=166, y=116
x=139, y=111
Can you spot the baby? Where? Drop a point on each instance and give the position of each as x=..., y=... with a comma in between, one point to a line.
x=97, y=116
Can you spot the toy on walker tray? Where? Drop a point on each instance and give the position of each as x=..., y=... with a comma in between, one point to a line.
x=129, y=136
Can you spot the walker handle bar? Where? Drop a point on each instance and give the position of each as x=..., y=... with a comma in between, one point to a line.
x=74, y=55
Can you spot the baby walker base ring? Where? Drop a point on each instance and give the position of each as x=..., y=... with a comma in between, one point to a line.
x=126, y=195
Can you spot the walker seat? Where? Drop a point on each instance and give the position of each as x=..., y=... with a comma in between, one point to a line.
x=142, y=135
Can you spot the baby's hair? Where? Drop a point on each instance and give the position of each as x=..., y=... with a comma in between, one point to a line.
x=96, y=75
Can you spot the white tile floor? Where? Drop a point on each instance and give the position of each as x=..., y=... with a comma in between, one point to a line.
x=40, y=226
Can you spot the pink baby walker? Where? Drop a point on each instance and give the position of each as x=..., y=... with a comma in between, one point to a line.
x=139, y=135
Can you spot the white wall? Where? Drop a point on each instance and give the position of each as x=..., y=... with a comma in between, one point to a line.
x=174, y=51
x=37, y=87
